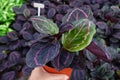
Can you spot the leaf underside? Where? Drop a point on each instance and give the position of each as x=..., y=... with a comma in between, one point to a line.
x=63, y=60
x=40, y=54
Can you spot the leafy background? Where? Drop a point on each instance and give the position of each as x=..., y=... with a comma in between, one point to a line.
x=16, y=44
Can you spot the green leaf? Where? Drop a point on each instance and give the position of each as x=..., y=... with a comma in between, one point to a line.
x=44, y=25
x=118, y=72
x=4, y=29
x=80, y=37
x=6, y=10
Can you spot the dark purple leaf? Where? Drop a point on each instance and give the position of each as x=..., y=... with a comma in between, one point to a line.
x=26, y=26
x=77, y=14
x=65, y=8
x=46, y=3
x=114, y=40
x=17, y=26
x=100, y=1
x=102, y=25
x=116, y=26
x=2, y=68
x=33, y=11
x=4, y=39
x=59, y=17
x=35, y=1
x=58, y=23
x=90, y=56
x=4, y=64
x=14, y=45
x=97, y=51
x=62, y=8
x=40, y=54
x=109, y=16
x=78, y=61
x=20, y=10
x=63, y=60
x=51, y=13
x=117, y=35
x=3, y=56
x=27, y=35
x=13, y=35
x=66, y=27
x=14, y=57
x=3, y=48
x=39, y=38
x=36, y=35
x=21, y=18
x=8, y=64
x=26, y=71
x=95, y=7
x=76, y=3
x=78, y=75
x=22, y=43
x=9, y=76
x=25, y=50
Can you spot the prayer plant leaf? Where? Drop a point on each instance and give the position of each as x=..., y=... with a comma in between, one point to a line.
x=44, y=25
x=77, y=14
x=63, y=60
x=39, y=54
x=80, y=37
x=98, y=51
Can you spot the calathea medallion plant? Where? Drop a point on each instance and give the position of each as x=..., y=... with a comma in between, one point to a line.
x=74, y=35
x=62, y=45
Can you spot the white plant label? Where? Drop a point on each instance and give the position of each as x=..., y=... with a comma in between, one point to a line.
x=39, y=6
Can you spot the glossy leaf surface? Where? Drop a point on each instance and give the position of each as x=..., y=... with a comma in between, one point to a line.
x=80, y=37
x=97, y=51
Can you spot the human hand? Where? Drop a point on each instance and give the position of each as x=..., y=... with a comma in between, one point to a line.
x=40, y=74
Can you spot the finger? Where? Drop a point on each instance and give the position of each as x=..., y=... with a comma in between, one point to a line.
x=58, y=77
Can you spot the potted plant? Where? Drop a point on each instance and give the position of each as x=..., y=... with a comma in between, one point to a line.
x=66, y=35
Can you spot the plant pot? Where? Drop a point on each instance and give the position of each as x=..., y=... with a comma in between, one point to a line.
x=67, y=71
x=20, y=74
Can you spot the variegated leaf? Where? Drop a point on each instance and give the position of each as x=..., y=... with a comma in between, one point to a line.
x=40, y=54
x=77, y=14
x=80, y=37
x=44, y=25
x=63, y=60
